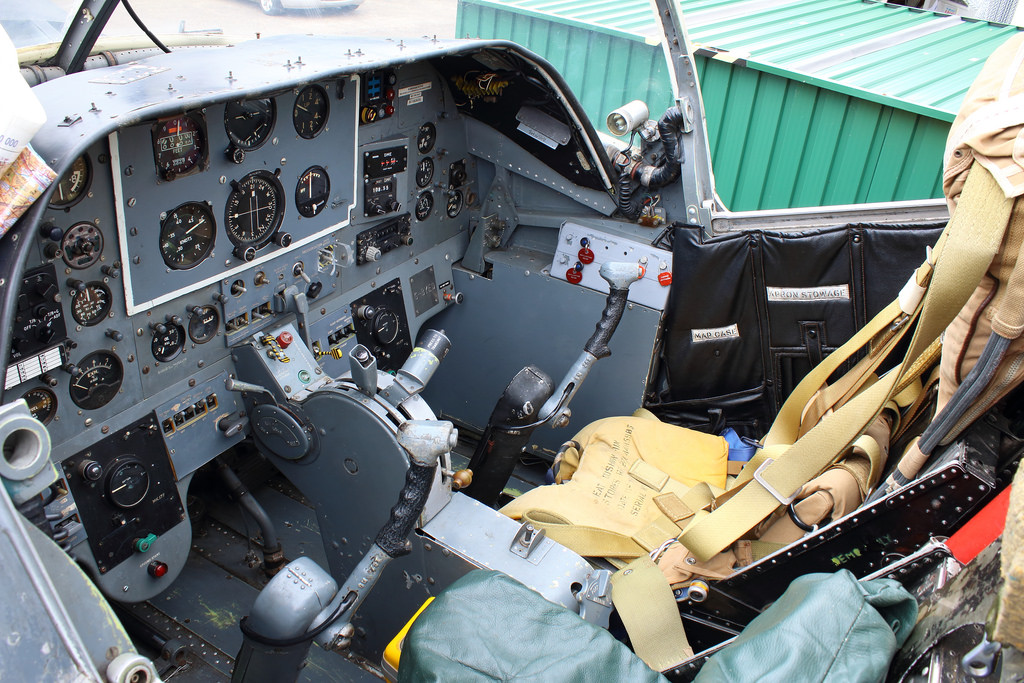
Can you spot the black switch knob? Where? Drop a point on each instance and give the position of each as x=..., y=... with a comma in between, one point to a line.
x=115, y=335
x=112, y=270
x=314, y=289
x=49, y=231
x=77, y=285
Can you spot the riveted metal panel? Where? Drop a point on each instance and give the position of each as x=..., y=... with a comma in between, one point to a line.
x=804, y=104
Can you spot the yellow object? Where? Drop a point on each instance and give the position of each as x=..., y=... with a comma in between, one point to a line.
x=393, y=652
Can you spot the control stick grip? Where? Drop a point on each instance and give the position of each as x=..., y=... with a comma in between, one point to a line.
x=619, y=277
x=393, y=536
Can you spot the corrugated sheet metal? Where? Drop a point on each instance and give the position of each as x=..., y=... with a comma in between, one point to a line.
x=808, y=103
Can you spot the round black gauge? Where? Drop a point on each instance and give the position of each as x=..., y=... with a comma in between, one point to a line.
x=42, y=403
x=99, y=381
x=128, y=484
x=249, y=123
x=426, y=138
x=424, y=171
x=82, y=245
x=309, y=115
x=385, y=326
x=254, y=210
x=203, y=324
x=187, y=234
x=91, y=304
x=167, y=345
x=454, y=205
x=424, y=205
x=312, y=191
x=73, y=184
x=179, y=146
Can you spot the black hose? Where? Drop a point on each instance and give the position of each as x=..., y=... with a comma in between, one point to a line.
x=145, y=29
x=252, y=506
x=669, y=127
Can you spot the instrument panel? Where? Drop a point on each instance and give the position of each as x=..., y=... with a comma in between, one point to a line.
x=336, y=203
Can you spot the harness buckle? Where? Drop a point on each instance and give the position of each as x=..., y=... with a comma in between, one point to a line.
x=771, y=489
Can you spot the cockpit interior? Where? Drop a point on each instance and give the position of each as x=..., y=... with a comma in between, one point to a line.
x=280, y=284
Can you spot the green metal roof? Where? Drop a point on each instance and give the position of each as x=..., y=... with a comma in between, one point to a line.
x=913, y=60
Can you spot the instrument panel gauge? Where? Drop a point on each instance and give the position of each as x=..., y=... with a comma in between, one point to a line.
x=179, y=146
x=203, y=324
x=42, y=403
x=99, y=381
x=454, y=206
x=187, y=234
x=254, y=210
x=385, y=326
x=424, y=171
x=91, y=304
x=168, y=344
x=82, y=245
x=426, y=138
x=424, y=205
x=309, y=115
x=128, y=483
x=73, y=185
x=249, y=123
x=312, y=191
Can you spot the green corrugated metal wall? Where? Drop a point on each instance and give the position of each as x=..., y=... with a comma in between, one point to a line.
x=776, y=142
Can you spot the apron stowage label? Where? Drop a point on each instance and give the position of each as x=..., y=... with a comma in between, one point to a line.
x=826, y=293
x=715, y=333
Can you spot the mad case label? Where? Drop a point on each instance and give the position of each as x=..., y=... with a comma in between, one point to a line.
x=715, y=334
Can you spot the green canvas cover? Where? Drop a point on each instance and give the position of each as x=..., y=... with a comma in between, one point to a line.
x=489, y=627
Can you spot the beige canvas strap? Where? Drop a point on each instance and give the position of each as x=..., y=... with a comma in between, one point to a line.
x=648, y=610
x=964, y=253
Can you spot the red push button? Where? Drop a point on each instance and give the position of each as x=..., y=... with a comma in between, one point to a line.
x=389, y=109
x=574, y=276
x=665, y=279
x=156, y=569
x=285, y=339
x=586, y=255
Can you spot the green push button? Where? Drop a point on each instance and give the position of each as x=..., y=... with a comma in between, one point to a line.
x=143, y=545
x=304, y=376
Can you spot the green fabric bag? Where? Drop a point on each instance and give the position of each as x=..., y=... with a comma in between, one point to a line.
x=489, y=627
x=825, y=627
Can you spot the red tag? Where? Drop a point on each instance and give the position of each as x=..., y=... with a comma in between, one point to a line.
x=586, y=255
x=665, y=279
x=574, y=276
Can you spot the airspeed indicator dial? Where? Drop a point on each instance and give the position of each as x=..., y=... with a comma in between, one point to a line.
x=254, y=210
x=186, y=235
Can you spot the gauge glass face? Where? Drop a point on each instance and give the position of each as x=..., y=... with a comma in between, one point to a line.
x=187, y=235
x=309, y=115
x=454, y=204
x=92, y=304
x=128, y=484
x=426, y=138
x=203, y=324
x=424, y=171
x=254, y=210
x=42, y=403
x=249, y=123
x=424, y=205
x=179, y=146
x=73, y=185
x=82, y=245
x=385, y=326
x=168, y=345
x=99, y=382
x=312, y=191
